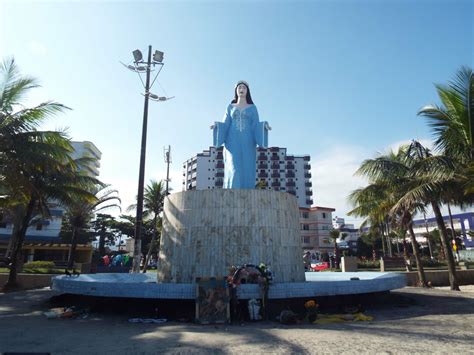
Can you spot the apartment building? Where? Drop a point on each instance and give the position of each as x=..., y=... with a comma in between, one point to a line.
x=274, y=167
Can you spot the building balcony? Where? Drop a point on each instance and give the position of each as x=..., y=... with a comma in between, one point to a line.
x=307, y=167
x=275, y=166
x=289, y=175
x=219, y=183
x=274, y=157
x=289, y=166
x=275, y=175
x=275, y=184
x=219, y=174
x=262, y=175
x=262, y=166
x=220, y=156
x=309, y=193
x=293, y=192
x=307, y=175
x=274, y=149
x=309, y=202
x=308, y=184
x=306, y=158
x=289, y=157
x=220, y=165
x=262, y=157
x=290, y=183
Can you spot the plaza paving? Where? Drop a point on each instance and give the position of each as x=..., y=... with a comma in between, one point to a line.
x=409, y=320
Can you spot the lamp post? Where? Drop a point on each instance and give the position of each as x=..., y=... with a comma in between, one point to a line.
x=139, y=66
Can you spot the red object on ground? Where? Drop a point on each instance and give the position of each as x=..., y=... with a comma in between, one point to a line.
x=320, y=266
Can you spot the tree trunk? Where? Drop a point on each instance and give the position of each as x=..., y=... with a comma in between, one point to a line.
x=152, y=246
x=72, y=248
x=102, y=245
x=453, y=281
x=416, y=252
x=389, y=241
x=453, y=234
x=406, y=256
x=17, y=244
x=383, y=242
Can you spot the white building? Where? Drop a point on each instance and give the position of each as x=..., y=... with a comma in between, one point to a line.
x=280, y=172
x=47, y=229
x=316, y=223
x=87, y=150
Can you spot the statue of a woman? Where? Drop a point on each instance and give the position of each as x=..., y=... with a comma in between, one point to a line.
x=240, y=133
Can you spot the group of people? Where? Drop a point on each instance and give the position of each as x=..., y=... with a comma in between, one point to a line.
x=117, y=260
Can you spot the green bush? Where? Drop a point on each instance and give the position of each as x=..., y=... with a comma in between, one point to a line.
x=368, y=264
x=34, y=265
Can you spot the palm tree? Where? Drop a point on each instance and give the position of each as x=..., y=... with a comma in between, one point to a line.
x=35, y=166
x=428, y=174
x=153, y=200
x=80, y=212
x=389, y=177
x=453, y=122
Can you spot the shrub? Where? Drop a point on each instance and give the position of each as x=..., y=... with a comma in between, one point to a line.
x=368, y=264
x=34, y=265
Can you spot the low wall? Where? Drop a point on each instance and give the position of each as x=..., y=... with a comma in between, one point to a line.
x=29, y=281
x=440, y=277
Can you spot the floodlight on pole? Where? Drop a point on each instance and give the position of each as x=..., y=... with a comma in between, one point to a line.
x=142, y=68
x=158, y=56
x=137, y=55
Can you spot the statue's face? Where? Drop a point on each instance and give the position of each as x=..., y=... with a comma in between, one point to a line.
x=242, y=90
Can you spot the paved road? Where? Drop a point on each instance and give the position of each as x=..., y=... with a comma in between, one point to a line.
x=411, y=321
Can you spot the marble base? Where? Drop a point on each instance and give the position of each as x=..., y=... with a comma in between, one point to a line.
x=205, y=232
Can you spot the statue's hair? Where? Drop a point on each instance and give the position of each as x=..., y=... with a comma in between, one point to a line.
x=248, y=97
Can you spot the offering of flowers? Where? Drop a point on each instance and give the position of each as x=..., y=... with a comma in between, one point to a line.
x=312, y=309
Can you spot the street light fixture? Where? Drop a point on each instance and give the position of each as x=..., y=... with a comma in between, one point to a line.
x=141, y=67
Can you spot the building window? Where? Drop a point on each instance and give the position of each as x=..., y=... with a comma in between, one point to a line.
x=324, y=214
x=306, y=240
x=305, y=227
x=39, y=227
x=305, y=215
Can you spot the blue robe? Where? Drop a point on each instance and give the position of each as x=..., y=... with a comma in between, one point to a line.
x=240, y=133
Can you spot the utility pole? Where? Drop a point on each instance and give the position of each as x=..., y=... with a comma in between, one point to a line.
x=167, y=161
x=141, y=176
x=139, y=66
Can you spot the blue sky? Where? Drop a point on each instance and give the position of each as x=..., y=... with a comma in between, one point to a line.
x=339, y=80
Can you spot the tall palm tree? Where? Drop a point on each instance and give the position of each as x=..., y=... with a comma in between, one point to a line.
x=81, y=211
x=153, y=200
x=452, y=124
x=389, y=176
x=427, y=176
x=35, y=166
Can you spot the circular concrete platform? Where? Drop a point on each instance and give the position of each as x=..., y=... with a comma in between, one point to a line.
x=145, y=285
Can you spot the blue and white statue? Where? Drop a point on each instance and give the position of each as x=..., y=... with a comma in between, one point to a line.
x=240, y=133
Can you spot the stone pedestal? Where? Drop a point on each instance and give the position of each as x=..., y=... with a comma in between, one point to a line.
x=349, y=264
x=205, y=232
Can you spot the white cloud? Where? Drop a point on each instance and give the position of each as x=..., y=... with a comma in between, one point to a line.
x=128, y=187
x=37, y=48
x=333, y=177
